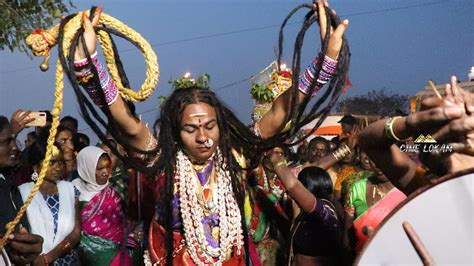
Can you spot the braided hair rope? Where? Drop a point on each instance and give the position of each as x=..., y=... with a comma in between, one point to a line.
x=67, y=34
x=55, y=112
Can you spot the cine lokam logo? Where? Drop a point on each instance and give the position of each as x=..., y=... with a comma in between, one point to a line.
x=426, y=144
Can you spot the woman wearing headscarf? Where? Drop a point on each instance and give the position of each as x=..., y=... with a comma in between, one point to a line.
x=102, y=217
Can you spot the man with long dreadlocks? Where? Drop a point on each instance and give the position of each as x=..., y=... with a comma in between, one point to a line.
x=203, y=151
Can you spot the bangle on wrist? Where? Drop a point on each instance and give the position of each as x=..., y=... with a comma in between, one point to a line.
x=341, y=152
x=389, y=129
x=83, y=62
x=280, y=163
x=65, y=246
x=45, y=259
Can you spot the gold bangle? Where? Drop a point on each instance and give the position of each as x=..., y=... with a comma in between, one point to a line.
x=280, y=163
x=345, y=149
x=389, y=129
x=65, y=246
x=341, y=152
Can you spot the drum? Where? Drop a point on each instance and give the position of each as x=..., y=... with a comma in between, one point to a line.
x=441, y=216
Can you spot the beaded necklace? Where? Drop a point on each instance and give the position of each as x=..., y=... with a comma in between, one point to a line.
x=193, y=213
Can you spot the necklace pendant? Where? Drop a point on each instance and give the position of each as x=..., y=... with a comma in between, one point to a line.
x=206, y=193
x=210, y=205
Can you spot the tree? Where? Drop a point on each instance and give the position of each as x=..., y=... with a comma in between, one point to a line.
x=20, y=17
x=375, y=102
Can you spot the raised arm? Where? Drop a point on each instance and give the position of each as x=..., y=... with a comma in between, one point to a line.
x=303, y=197
x=136, y=132
x=446, y=120
x=275, y=120
x=19, y=120
x=345, y=149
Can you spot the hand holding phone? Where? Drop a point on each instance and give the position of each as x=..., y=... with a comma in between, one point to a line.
x=19, y=120
x=38, y=119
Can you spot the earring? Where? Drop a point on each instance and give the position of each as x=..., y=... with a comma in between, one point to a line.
x=34, y=175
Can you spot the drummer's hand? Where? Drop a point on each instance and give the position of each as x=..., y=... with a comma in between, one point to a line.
x=434, y=115
x=335, y=39
x=89, y=34
x=458, y=132
x=455, y=95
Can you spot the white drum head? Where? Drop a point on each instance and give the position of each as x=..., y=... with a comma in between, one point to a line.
x=442, y=217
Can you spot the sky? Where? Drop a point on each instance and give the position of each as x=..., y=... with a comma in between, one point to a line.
x=397, y=45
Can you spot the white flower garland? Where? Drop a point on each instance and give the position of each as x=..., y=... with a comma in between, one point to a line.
x=192, y=213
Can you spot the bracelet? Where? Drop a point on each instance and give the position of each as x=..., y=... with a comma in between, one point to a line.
x=107, y=84
x=328, y=69
x=280, y=163
x=389, y=129
x=45, y=259
x=65, y=246
x=342, y=152
x=82, y=62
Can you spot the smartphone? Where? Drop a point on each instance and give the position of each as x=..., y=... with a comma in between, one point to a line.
x=40, y=119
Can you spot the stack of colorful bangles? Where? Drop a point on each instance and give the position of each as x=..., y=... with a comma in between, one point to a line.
x=84, y=75
x=327, y=71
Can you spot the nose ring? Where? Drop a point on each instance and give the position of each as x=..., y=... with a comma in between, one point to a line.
x=208, y=143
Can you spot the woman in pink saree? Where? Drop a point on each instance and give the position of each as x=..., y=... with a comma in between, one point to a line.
x=102, y=218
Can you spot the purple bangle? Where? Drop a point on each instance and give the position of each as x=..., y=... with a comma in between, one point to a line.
x=327, y=71
x=106, y=82
x=83, y=62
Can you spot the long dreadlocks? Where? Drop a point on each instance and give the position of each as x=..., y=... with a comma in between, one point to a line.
x=234, y=134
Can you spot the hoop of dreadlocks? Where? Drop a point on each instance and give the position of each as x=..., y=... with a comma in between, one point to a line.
x=67, y=34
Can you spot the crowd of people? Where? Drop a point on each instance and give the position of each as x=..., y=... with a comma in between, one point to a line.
x=211, y=196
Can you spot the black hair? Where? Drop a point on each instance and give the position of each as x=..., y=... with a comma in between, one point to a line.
x=44, y=133
x=80, y=144
x=37, y=152
x=317, y=139
x=299, y=115
x=317, y=181
x=70, y=119
x=62, y=128
x=32, y=134
x=3, y=122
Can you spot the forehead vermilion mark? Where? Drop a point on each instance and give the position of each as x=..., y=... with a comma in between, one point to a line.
x=103, y=162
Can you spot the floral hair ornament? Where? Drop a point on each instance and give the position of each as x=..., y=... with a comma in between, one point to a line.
x=187, y=81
